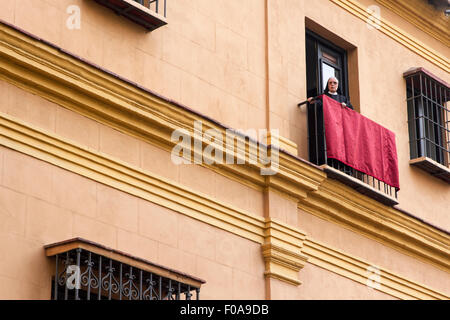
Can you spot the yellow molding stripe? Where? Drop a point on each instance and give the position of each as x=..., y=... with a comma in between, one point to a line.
x=64, y=80
x=32, y=141
x=423, y=16
x=99, y=167
x=396, y=33
x=357, y=269
x=340, y=204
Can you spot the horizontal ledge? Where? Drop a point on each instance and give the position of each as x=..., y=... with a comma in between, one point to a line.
x=417, y=70
x=75, y=243
x=135, y=12
x=283, y=278
x=355, y=268
x=359, y=186
x=434, y=168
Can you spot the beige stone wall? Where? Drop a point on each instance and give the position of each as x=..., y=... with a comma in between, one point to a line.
x=374, y=252
x=43, y=204
x=88, y=133
x=319, y=283
x=207, y=46
x=211, y=57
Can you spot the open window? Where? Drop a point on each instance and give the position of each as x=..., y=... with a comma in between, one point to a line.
x=325, y=59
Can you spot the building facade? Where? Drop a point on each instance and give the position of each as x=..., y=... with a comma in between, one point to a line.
x=156, y=149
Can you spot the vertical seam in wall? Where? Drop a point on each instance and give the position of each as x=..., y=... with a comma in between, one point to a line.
x=266, y=18
x=2, y=163
x=265, y=193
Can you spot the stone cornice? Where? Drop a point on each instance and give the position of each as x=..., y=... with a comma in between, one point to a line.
x=102, y=168
x=423, y=16
x=83, y=88
x=394, y=32
x=282, y=264
x=360, y=271
x=340, y=204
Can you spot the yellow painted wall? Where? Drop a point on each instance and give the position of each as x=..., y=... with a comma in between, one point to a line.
x=323, y=284
x=379, y=255
x=43, y=204
x=219, y=48
x=211, y=58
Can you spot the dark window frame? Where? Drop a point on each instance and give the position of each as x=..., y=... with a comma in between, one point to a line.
x=322, y=44
x=335, y=169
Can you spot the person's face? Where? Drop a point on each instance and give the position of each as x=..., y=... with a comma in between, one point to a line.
x=332, y=85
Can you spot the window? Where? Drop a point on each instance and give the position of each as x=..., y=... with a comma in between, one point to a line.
x=151, y=14
x=323, y=60
x=85, y=270
x=428, y=122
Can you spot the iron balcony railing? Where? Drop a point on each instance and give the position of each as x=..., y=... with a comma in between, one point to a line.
x=358, y=180
x=154, y=5
x=150, y=14
x=103, y=278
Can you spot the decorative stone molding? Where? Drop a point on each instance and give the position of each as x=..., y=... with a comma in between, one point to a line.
x=359, y=270
x=282, y=264
x=394, y=32
x=282, y=252
x=423, y=15
x=284, y=143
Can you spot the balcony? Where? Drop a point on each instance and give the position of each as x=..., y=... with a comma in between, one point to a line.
x=335, y=169
x=151, y=14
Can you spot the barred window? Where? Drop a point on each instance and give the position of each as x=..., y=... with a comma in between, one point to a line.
x=429, y=122
x=85, y=270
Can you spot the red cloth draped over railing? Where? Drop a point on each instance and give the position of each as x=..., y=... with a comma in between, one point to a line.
x=360, y=142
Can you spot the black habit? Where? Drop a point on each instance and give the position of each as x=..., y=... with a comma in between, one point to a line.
x=339, y=98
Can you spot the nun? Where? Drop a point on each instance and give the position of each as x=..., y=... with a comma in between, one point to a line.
x=332, y=92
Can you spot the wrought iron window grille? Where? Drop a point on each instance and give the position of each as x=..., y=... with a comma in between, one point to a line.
x=154, y=5
x=81, y=274
x=428, y=122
